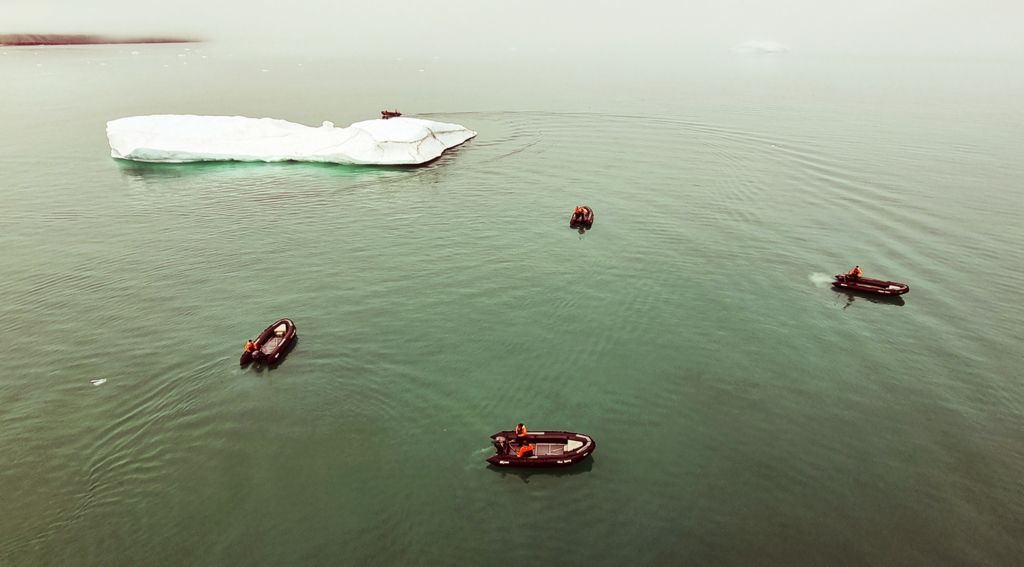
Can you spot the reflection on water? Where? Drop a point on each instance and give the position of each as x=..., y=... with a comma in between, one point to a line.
x=880, y=299
x=228, y=169
x=524, y=474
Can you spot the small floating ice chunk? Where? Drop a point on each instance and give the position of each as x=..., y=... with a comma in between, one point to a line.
x=98, y=381
x=186, y=138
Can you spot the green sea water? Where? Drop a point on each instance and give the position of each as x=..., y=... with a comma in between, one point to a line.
x=745, y=413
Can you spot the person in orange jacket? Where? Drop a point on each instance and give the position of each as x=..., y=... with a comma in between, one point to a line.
x=520, y=431
x=855, y=273
x=250, y=346
x=526, y=450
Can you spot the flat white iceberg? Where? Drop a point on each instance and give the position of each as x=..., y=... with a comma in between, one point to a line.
x=173, y=138
x=760, y=47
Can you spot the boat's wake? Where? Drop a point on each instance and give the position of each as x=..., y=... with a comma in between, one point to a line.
x=820, y=279
x=479, y=458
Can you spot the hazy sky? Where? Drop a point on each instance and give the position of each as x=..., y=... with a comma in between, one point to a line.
x=483, y=26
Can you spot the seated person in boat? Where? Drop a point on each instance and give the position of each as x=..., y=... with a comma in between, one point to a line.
x=520, y=431
x=250, y=346
x=855, y=273
x=526, y=451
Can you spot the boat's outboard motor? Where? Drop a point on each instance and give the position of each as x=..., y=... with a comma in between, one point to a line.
x=501, y=446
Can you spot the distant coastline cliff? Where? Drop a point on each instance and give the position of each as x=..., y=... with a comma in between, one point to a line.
x=81, y=39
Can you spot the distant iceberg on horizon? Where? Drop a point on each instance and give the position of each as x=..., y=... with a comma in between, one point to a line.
x=760, y=47
x=174, y=138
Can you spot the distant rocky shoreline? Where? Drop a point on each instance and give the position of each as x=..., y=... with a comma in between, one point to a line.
x=81, y=39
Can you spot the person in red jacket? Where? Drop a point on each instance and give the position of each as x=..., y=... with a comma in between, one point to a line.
x=526, y=450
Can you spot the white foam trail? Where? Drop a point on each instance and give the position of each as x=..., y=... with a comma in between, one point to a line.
x=820, y=279
x=98, y=381
x=479, y=458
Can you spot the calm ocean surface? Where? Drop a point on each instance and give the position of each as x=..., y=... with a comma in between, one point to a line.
x=745, y=413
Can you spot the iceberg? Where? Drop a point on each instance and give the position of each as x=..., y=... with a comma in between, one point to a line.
x=760, y=47
x=172, y=138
